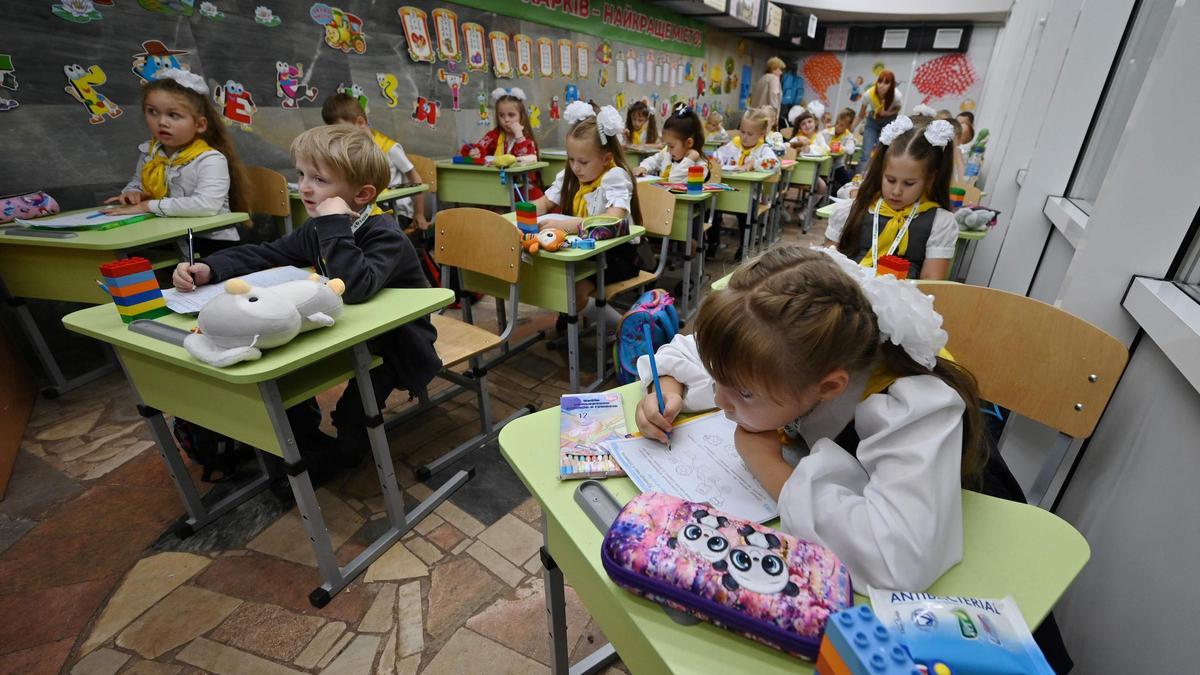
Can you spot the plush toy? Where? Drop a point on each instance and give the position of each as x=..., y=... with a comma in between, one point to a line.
x=504, y=161
x=974, y=219
x=551, y=240
x=239, y=324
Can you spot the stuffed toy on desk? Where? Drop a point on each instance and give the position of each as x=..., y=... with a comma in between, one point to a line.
x=239, y=324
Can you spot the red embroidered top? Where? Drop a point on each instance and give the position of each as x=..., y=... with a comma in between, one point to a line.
x=487, y=145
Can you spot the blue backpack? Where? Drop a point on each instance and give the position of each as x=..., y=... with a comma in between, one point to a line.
x=656, y=308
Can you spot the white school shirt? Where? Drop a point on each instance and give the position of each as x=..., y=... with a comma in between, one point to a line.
x=761, y=158
x=400, y=165
x=615, y=191
x=199, y=188
x=656, y=163
x=940, y=245
x=816, y=145
x=893, y=511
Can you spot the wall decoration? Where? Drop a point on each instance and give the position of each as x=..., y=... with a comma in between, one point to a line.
x=620, y=70
x=714, y=79
x=604, y=53
x=456, y=81
x=155, y=56
x=263, y=16
x=730, y=81
x=603, y=77
x=210, y=11
x=81, y=85
x=168, y=7
x=744, y=92
x=700, y=83
x=523, y=45
x=619, y=100
x=571, y=95
x=416, y=33
x=631, y=67
x=76, y=11
x=8, y=80
x=387, y=86
x=236, y=104
x=555, y=113
x=646, y=69
x=947, y=75
x=445, y=26
x=583, y=59
x=822, y=71
x=545, y=57
x=425, y=110
x=343, y=30
x=664, y=111
x=357, y=93
x=501, y=65
x=474, y=40
x=290, y=85
x=704, y=111
x=565, y=47
x=535, y=117
x=482, y=99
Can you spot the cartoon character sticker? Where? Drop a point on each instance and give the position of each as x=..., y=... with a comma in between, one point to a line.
x=482, y=99
x=535, y=117
x=82, y=87
x=236, y=104
x=565, y=47
x=387, y=87
x=572, y=94
x=445, y=26
x=167, y=7
x=426, y=111
x=291, y=86
x=210, y=11
x=619, y=100
x=474, y=40
x=76, y=11
x=155, y=57
x=357, y=93
x=455, y=80
x=855, y=88
x=545, y=57
x=523, y=45
x=501, y=65
x=8, y=80
x=554, y=111
x=263, y=16
x=343, y=30
x=416, y=33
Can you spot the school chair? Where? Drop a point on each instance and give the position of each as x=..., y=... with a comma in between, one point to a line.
x=268, y=195
x=1038, y=361
x=427, y=169
x=484, y=242
x=656, y=214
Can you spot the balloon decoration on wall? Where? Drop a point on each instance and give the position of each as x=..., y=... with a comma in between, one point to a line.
x=822, y=71
x=944, y=76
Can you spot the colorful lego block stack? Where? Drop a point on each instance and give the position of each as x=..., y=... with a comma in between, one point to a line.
x=695, y=180
x=894, y=265
x=527, y=217
x=856, y=643
x=134, y=289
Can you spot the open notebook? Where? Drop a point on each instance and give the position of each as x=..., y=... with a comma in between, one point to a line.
x=193, y=301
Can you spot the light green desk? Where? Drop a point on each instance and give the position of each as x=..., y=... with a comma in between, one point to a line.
x=1009, y=549
x=385, y=199
x=556, y=160
x=743, y=200
x=826, y=211
x=965, y=244
x=642, y=151
x=248, y=402
x=66, y=269
x=475, y=185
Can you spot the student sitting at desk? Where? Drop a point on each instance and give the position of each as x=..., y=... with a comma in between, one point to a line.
x=346, y=237
x=746, y=152
x=342, y=108
x=841, y=136
x=684, y=137
x=640, y=126
x=714, y=128
x=189, y=167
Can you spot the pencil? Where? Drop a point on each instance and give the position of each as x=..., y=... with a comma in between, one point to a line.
x=191, y=257
x=662, y=406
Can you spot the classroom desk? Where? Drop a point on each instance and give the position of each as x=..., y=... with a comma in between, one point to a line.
x=169, y=381
x=556, y=160
x=642, y=151
x=300, y=214
x=743, y=200
x=685, y=228
x=826, y=211
x=1009, y=549
x=964, y=245
x=475, y=185
x=549, y=282
x=45, y=268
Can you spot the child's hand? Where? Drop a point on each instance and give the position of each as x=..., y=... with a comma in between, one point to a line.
x=639, y=171
x=334, y=206
x=474, y=153
x=187, y=277
x=516, y=129
x=569, y=225
x=762, y=453
x=421, y=223
x=657, y=425
x=139, y=207
x=129, y=198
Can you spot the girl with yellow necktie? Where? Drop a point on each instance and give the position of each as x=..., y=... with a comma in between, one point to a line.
x=683, y=137
x=189, y=167
x=901, y=207
x=746, y=152
x=595, y=182
x=640, y=126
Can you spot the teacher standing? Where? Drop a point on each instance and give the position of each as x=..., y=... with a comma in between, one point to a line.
x=881, y=104
x=769, y=89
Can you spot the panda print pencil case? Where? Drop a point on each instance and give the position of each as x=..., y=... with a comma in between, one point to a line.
x=765, y=585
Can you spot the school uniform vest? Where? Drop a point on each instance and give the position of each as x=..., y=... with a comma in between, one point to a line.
x=918, y=237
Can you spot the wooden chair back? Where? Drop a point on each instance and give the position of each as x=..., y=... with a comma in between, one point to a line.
x=789, y=153
x=657, y=207
x=714, y=170
x=267, y=192
x=427, y=168
x=479, y=241
x=1030, y=357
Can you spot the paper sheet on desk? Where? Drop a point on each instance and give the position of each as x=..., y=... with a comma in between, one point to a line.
x=86, y=219
x=551, y=217
x=648, y=179
x=193, y=301
x=702, y=466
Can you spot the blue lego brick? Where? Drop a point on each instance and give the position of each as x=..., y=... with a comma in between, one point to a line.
x=866, y=646
x=126, y=280
x=138, y=299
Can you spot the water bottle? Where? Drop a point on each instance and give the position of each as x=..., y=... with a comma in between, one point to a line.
x=973, y=165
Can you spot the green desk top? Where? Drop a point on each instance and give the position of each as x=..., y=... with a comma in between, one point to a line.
x=387, y=310
x=973, y=235
x=388, y=194
x=553, y=153
x=577, y=254
x=826, y=211
x=1009, y=549
x=515, y=168
x=811, y=159
x=721, y=283
x=746, y=176
x=141, y=233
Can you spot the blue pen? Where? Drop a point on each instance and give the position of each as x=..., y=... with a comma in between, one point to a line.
x=662, y=406
x=96, y=215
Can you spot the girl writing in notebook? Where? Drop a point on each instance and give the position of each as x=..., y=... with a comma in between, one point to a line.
x=683, y=134
x=189, y=167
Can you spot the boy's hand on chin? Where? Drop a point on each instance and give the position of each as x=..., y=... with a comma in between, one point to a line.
x=334, y=206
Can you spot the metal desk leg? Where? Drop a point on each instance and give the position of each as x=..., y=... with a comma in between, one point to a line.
x=59, y=384
x=601, y=324
x=556, y=615
x=572, y=330
x=687, y=257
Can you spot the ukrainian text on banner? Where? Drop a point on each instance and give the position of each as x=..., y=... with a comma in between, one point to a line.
x=630, y=21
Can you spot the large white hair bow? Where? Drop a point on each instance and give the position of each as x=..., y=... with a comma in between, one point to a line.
x=939, y=133
x=817, y=109
x=922, y=109
x=578, y=111
x=515, y=92
x=184, y=78
x=892, y=131
x=609, y=123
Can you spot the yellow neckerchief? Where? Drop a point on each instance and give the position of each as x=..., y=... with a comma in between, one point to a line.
x=382, y=141
x=881, y=378
x=154, y=171
x=635, y=136
x=895, y=222
x=500, y=144
x=737, y=142
x=838, y=138
x=876, y=103
x=578, y=205
x=666, y=172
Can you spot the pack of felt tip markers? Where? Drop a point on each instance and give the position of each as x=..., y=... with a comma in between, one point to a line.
x=587, y=421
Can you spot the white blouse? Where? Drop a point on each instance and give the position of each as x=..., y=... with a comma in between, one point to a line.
x=400, y=165
x=940, y=245
x=198, y=188
x=678, y=171
x=761, y=158
x=893, y=511
x=615, y=191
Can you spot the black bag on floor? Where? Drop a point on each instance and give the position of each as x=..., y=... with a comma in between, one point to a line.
x=212, y=451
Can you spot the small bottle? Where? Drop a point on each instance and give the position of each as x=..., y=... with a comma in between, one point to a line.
x=973, y=164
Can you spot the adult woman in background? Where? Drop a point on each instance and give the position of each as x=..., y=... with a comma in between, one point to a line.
x=880, y=105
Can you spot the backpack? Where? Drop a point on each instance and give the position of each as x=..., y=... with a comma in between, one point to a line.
x=655, y=307
x=210, y=450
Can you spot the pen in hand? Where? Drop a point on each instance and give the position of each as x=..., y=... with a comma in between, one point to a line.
x=662, y=406
x=191, y=257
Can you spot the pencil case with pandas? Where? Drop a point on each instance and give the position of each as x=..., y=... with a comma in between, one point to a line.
x=763, y=584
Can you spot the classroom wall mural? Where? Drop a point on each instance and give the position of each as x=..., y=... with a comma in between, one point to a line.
x=953, y=81
x=73, y=72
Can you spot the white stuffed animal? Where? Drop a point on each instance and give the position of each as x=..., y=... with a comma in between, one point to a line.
x=239, y=324
x=973, y=219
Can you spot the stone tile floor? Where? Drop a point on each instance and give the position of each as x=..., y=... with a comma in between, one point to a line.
x=91, y=581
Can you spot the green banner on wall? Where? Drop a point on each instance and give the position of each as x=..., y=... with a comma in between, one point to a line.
x=629, y=21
